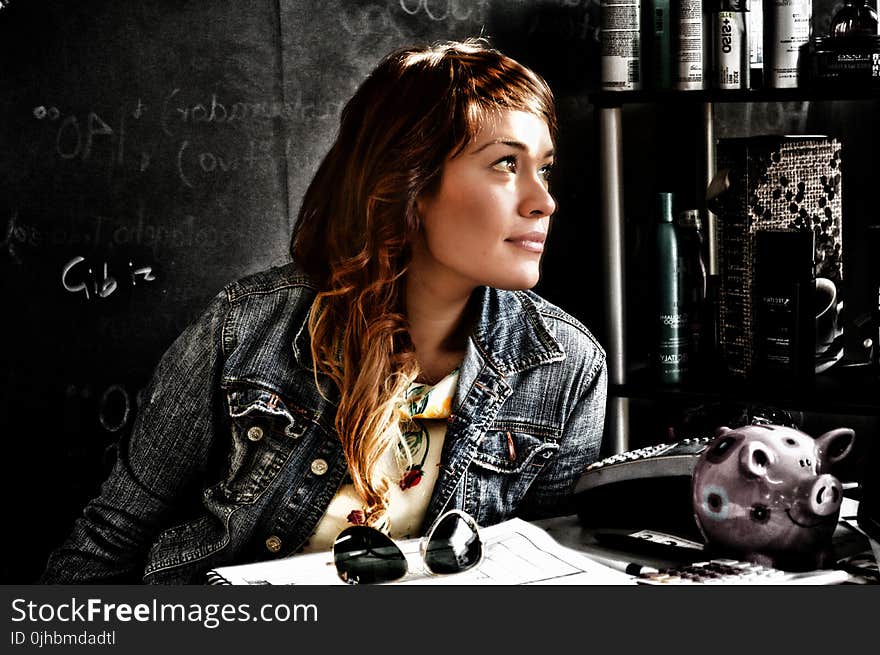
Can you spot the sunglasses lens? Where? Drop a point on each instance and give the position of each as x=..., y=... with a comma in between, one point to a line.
x=453, y=546
x=365, y=556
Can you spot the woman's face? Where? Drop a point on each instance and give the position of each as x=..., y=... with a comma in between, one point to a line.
x=487, y=222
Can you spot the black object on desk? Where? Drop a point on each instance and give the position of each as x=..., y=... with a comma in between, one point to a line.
x=647, y=488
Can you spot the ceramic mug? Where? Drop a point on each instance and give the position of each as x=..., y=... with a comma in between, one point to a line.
x=828, y=307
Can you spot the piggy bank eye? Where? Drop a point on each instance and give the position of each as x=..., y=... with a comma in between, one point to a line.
x=790, y=442
x=722, y=448
x=760, y=513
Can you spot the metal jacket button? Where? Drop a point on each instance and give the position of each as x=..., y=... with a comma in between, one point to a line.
x=319, y=466
x=273, y=544
x=255, y=433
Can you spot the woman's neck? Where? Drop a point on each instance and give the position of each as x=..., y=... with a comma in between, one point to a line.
x=438, y=325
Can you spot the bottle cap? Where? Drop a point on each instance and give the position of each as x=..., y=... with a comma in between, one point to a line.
x=690, y=218
x=729, y=5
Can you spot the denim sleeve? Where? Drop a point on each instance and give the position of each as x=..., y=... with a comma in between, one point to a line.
x=159, y=467
x=551, y=493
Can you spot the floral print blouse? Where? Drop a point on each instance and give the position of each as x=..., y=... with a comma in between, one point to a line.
x=423, y=416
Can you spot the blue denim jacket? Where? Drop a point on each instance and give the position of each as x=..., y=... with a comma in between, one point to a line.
x=234, y=457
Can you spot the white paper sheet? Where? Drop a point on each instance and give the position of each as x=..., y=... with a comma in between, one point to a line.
x=514, y=553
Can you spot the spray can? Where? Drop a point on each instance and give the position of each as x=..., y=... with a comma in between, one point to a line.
x=621, y=46
x=661, y=44
x=688, y=57
x=730, y=45
x=787, y=27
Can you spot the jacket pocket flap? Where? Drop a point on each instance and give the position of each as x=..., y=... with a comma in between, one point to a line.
x=245, y=401
x=506, y=451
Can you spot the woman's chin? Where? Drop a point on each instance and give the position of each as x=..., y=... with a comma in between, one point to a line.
x=517, y=283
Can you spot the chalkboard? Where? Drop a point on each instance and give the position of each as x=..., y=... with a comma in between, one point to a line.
x=152, y=151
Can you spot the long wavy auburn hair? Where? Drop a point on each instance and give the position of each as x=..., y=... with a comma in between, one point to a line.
x=358, y=219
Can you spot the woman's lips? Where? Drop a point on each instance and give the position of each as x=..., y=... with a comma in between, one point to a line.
x=533, y=241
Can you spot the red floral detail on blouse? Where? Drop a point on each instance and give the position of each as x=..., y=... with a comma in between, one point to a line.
x=411, y=478
x=356, y=517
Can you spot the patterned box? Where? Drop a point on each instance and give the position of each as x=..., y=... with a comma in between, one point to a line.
x=776, y=182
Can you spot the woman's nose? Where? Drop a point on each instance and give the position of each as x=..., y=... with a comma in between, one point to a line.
x=537, y=201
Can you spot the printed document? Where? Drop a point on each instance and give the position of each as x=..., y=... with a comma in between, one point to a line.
x=515, y=552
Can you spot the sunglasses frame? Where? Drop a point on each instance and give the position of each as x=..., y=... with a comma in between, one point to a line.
x=423, y=547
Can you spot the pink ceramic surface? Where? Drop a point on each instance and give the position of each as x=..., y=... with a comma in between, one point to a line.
x=764, y=493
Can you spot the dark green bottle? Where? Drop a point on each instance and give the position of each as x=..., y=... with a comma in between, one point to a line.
x=671, y=347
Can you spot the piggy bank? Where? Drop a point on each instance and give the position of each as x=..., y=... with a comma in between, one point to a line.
x=763, y=493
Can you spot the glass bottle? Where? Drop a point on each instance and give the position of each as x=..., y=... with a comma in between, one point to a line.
x=693, y=267
x=855, y=17
x=671, y=320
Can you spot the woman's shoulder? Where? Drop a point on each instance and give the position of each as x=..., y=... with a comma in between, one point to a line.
x=520, y=330
x=286, y=279
x=568, y=330
x=265, y=314
x=271, y=303
x=561, y=318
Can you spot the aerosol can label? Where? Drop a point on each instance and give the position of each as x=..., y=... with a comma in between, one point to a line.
x=620, y=36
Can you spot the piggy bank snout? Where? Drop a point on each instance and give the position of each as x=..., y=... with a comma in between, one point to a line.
x=754, y=459
x=823, y=495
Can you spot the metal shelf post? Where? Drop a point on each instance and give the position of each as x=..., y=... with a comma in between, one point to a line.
x=613, y=241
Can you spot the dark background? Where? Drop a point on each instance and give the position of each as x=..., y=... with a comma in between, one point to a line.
x=156, y=150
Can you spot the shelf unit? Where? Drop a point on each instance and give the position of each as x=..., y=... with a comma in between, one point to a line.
x=609, y=115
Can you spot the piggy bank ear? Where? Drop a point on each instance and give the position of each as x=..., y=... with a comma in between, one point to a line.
x=722, y=430
x=833, y=446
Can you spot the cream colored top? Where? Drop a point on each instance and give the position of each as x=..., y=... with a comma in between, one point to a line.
x=423, y=418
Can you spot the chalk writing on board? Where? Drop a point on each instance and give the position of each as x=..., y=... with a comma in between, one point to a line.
x=52, y=113
x=116, y=404
x=177, y=112
x=441, y=10
x=81, y=137
x=115, y=407
x=18, y=235
x=192, y=160
x=369, y=22
x=102, y=287
x=94, y=230
x=139, y=110
x=70, y=143
x=76, y=139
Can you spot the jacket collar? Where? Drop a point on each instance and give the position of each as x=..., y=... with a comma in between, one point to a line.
x=302, y=343
x=508, y=331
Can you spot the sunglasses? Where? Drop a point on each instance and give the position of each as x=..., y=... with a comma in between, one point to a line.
x=364, y=555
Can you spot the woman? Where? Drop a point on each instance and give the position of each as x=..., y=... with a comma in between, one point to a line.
x=396, y=369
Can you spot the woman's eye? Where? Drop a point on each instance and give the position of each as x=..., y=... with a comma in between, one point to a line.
x=546, y=172
x=505, y=165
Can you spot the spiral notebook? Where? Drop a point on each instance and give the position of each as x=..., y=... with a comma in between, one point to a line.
x=516, y=552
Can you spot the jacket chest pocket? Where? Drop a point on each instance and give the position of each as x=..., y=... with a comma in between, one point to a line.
x=265, y=432
x=504, y=466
